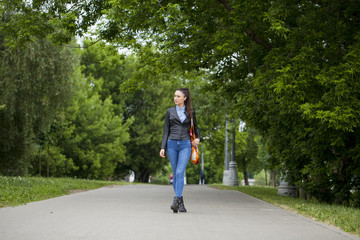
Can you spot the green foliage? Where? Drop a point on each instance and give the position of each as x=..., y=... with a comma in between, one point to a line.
x=21, y=190
x=148, y=107
x=310, y=116
x=88, y=140
x=346, y=218
x=106, y=70
x=59, y=164
x=35, y=83
x=247, y=150
x=104, y=63
x=289, y=69
x=57, y=20
x=163, y=176
x=262, y=178
x=95, y=136
x=355, y=199
x=210, y=114
x=213, y=172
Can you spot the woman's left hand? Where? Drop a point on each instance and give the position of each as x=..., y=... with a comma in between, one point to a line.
x=196, y=142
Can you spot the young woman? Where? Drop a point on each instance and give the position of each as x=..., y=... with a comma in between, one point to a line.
x=176, y=141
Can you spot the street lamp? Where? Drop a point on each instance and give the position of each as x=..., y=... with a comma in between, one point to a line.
x=230, y=176
x=226, y=157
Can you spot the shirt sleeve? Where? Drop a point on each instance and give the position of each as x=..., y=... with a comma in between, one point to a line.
x=166, y=130
x=196, y=129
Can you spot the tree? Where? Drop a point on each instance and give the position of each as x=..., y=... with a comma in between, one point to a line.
x=58, y=21
x=247, y=152
x=265, y=160
x=144, y=107
x=104, y=63
x=95, y=137
x=290, y=67
x=89, y=139
x=283, y=69
x=35, y=83
x=303, y=103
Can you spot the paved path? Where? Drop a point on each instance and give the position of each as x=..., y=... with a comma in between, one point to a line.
x=143, y=212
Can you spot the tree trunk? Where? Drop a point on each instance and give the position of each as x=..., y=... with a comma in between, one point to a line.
x=39, y=166
x=146, y=178
x=309, y=196
x=303, y=194
x=142, y=177
x=343, y=182
x=39, y=163
x=47, y=163
x=273, y=178
x=246, y=179
x=266, y=183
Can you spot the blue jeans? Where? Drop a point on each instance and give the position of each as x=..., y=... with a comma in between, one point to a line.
x=178, y=152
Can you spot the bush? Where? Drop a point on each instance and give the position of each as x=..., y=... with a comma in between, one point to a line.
x=355, y=199
x=163, y=180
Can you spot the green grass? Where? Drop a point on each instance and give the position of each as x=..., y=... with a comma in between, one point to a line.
x=21, y=190
x=345, y=218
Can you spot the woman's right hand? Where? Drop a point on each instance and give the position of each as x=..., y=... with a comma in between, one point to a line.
x=162, y=153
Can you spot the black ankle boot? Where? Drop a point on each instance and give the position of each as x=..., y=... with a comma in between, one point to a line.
x=176, y=204
x=182, y=206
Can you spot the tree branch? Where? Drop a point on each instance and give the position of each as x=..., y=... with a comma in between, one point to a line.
x=258, y=40
x=93, y=43
x=98, y=40
x=77, y=5
x=248, y=32
x=226, y=5
x=87, y=46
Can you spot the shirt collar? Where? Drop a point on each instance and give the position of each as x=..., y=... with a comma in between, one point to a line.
x=180, y=109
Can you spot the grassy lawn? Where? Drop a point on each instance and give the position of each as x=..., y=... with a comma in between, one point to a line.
x=21, y=190
x=345, y=218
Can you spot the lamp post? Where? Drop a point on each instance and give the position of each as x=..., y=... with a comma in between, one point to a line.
x=226, y=147
x=230, y=176
x=226, y=158
x=233, y=176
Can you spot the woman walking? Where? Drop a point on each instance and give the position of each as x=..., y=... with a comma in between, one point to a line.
x=176, y=141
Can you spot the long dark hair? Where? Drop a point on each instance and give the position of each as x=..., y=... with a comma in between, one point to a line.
x=187, y=102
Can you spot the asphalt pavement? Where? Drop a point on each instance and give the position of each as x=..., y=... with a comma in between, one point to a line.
x=143, y=212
